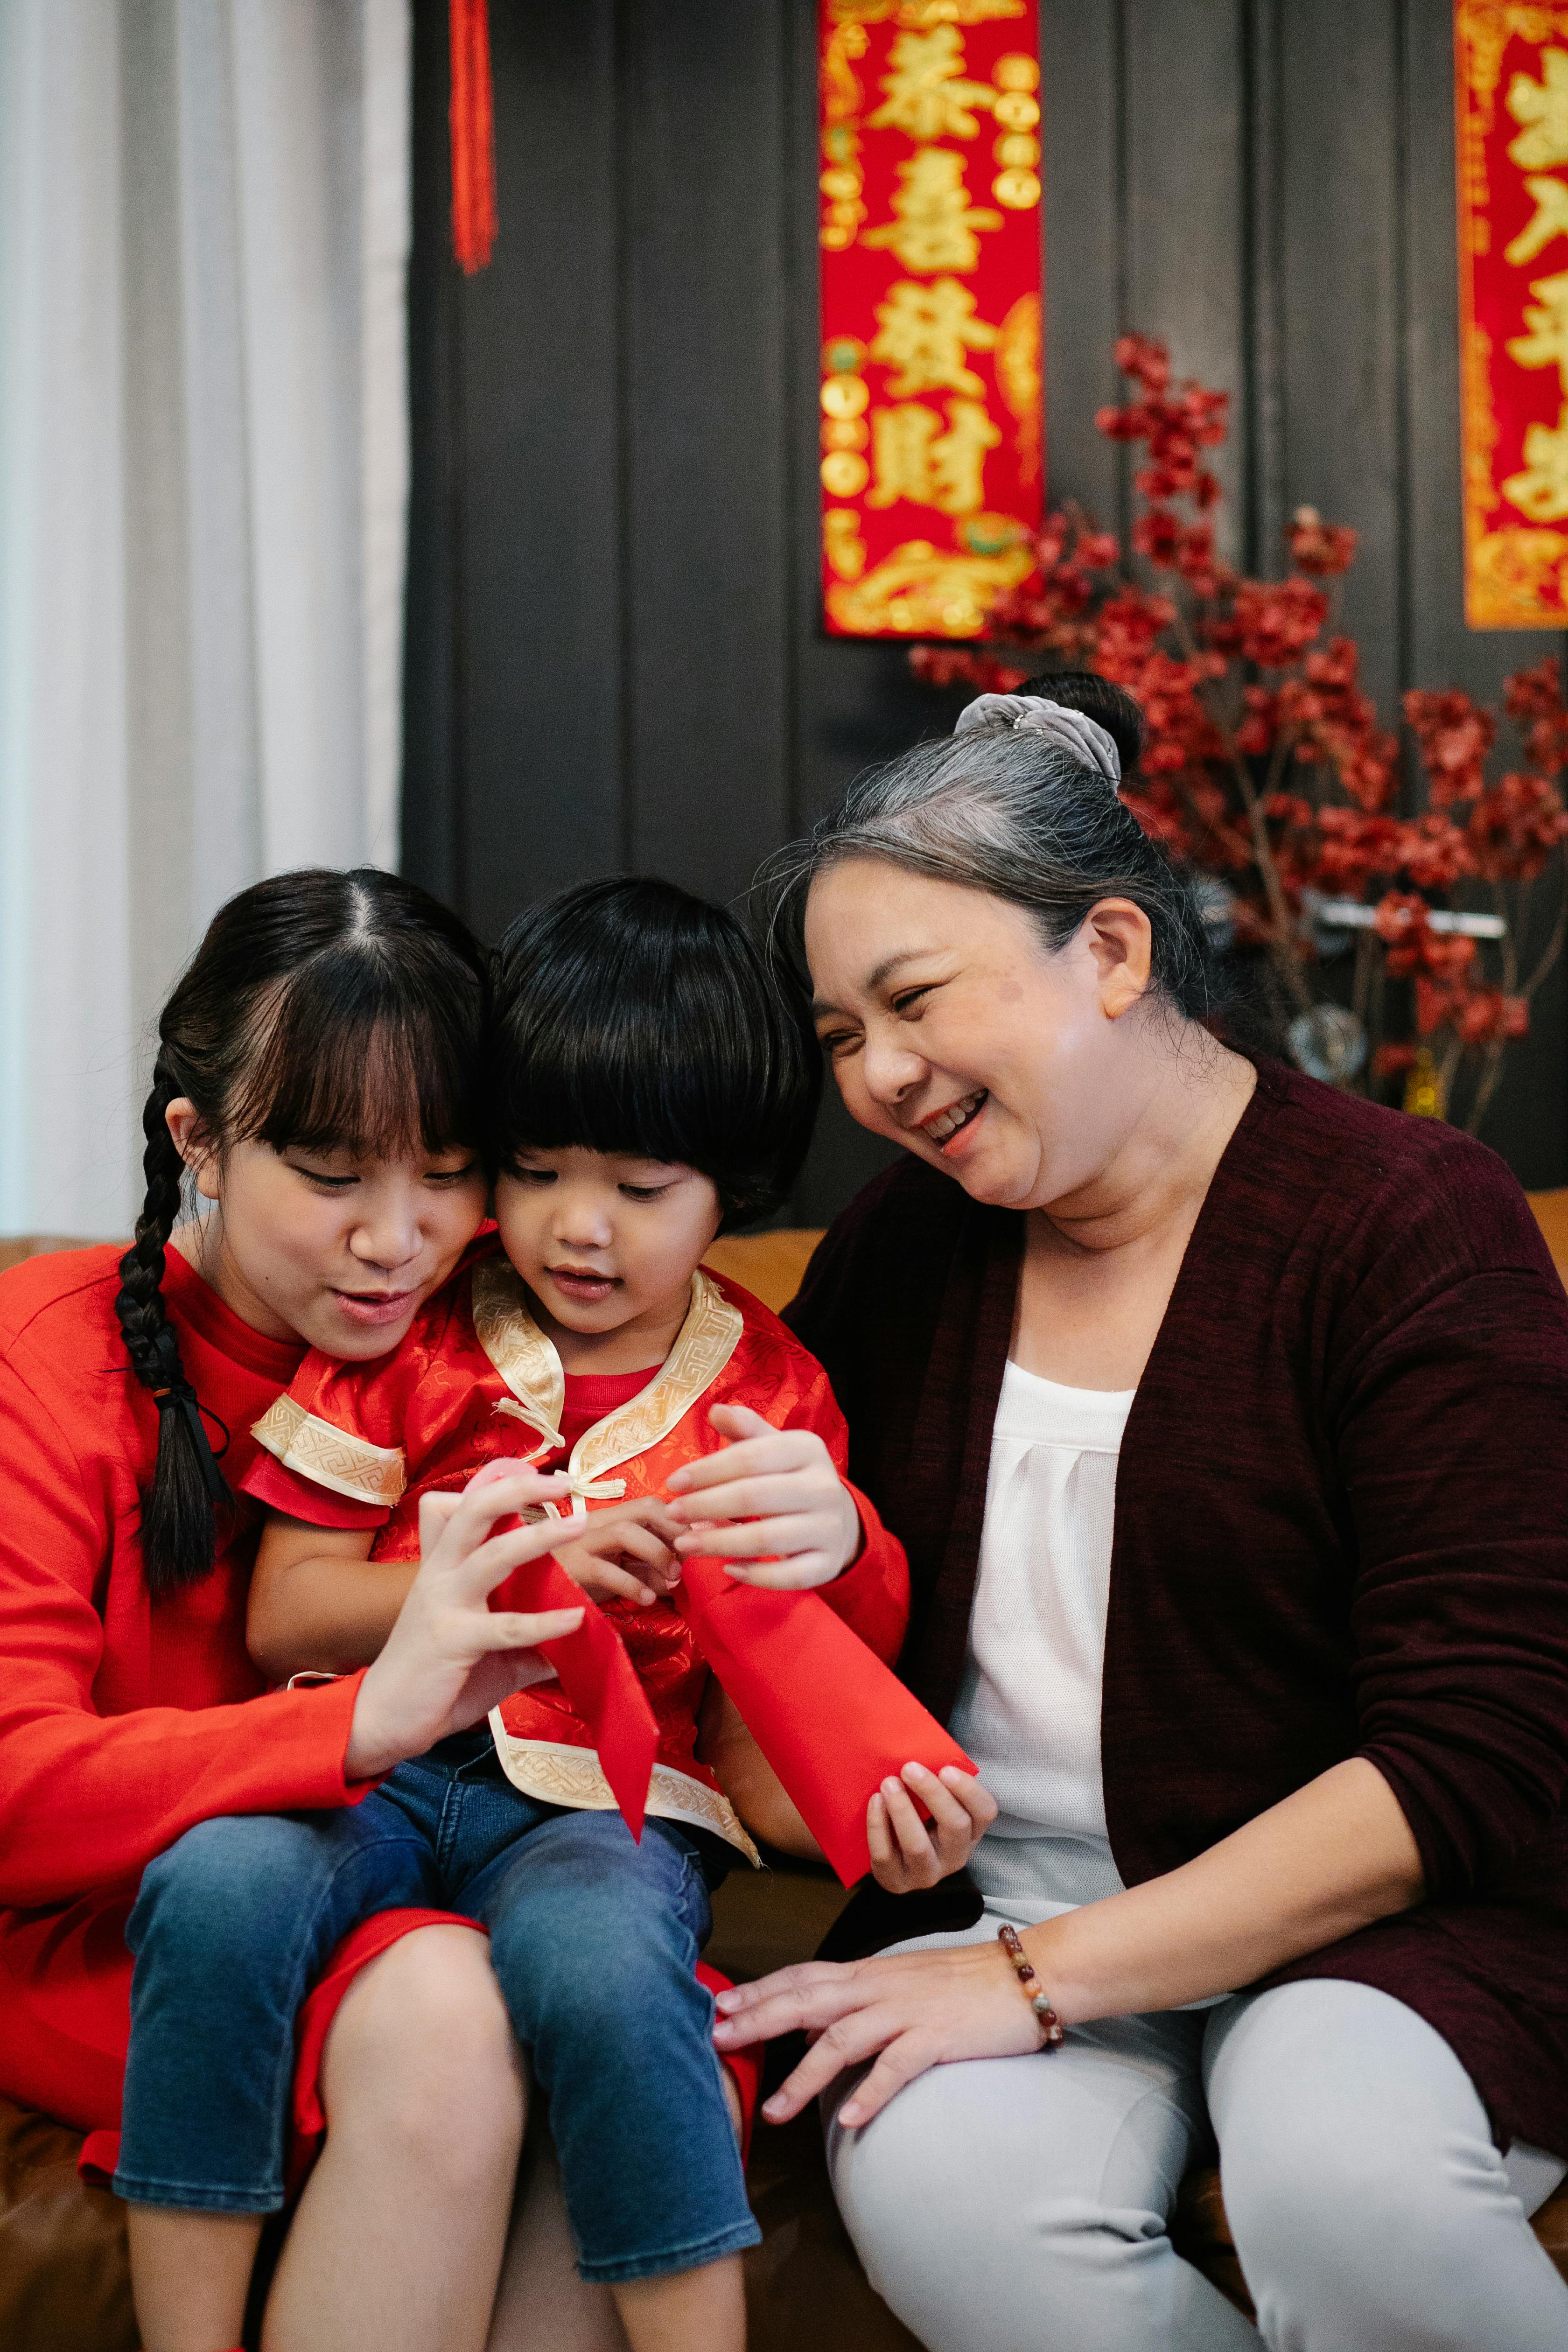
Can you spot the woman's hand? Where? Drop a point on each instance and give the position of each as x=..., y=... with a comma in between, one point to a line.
x=908, y=1853
x=917, y=2008
x=625, y=1553
x=450, y=1658
x=773, y=1497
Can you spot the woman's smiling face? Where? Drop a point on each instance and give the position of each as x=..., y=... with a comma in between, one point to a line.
x=952, y=1030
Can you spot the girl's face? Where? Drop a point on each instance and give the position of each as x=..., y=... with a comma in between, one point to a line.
x=952, y=1032
x=318, y=1245
x=606, y=1241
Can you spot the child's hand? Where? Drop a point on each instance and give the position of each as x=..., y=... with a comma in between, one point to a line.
x=907, y=1852
x=773, y=1497
x=624, y=1553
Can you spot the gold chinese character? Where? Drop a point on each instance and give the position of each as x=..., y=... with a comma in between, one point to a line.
x=936, y=226
x=1546, y=345
x=1551, y=199
x=927, y=95
x=1540, y=491
x=1542, y=106
x=915, y=459
x=924, y=330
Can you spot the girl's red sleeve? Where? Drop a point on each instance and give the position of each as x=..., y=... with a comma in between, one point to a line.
x=872, y=1596
x=91, y=1797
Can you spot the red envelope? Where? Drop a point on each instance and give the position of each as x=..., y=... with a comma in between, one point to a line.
x=832, y=1720
x=597, y=1675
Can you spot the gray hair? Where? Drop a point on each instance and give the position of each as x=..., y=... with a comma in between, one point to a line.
x=1002, y=808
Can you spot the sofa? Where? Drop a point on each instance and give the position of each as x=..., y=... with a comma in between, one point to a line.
x=64, y=2283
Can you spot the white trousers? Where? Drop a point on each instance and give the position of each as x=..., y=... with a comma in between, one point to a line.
x=1021, y=2204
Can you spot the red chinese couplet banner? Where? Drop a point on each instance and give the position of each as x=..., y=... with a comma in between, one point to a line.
x=1510, y=66
x=932, y=423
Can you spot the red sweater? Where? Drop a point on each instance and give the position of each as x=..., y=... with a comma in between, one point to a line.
x=120, y=1725
x=1341, y=1527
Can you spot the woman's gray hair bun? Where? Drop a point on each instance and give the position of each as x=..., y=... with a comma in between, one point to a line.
x=1032, y=714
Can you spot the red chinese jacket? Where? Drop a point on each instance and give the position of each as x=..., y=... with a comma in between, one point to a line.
x=477, y=1381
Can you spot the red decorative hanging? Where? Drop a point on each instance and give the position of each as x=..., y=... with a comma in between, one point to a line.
x=932, y=275
x=473, y=136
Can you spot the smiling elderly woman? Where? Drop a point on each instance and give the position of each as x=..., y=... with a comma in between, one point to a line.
x=1224, y=1418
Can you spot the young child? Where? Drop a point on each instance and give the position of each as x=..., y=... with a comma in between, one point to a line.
x=649, y=1087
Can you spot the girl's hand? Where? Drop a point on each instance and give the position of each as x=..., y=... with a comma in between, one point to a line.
x=773, y=1497
x=450, y=1657
x=908, y=1853
x=623, y=1552
x=917, y=2008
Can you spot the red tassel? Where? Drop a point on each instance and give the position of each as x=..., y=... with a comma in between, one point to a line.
x=473, y=136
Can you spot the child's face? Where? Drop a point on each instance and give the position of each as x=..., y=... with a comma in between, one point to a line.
x=603, y=1240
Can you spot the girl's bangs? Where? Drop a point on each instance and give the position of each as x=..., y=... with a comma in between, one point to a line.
x=358, y=1061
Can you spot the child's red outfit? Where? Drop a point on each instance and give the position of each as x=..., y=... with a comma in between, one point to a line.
x=476, y=1380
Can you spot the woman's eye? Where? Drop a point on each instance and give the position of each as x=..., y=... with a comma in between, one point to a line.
x=837, y=1041
x=908, y=998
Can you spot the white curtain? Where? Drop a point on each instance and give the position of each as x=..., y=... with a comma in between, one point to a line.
x=203, y=237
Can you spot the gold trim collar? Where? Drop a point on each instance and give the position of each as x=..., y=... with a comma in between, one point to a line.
x=529, y=1364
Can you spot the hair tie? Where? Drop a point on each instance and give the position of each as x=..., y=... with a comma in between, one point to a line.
x=173, y=1393
x=1033, y=714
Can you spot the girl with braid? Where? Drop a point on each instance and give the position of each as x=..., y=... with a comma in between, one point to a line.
x=315, y=1087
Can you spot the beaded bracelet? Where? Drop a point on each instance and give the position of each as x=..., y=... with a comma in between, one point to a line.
x=1050, y=2024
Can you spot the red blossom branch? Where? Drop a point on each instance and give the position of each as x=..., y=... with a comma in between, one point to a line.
x=1265, y=764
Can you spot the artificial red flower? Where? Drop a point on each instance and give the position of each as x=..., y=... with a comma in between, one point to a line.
x=1324, y=548
x=1454, y=737
x=1515, y=827
x=1273, y=623
x=1536, y=696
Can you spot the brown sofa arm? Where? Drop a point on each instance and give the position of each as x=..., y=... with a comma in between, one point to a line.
x=65, y=2283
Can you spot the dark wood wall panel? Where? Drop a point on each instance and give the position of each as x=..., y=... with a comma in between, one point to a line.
x=1185, y=104
x=709, y=555
x=541, y=512
x=1080, y=90
x=1341, y=237
x=615, y=654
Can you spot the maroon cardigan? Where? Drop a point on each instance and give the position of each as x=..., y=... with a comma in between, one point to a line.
x=1341, y=1527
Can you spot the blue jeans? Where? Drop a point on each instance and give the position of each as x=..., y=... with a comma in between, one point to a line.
x=593, y=1939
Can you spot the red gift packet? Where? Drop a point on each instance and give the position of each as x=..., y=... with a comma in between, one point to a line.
x=832, y=1720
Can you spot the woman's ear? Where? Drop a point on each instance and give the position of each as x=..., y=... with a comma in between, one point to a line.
x=1122, y=941
x=185, y=1125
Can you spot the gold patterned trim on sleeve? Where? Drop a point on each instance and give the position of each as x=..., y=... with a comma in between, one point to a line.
x=331, y=1457
x=574, y=1777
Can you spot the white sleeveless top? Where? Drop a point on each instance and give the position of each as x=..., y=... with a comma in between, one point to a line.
x=1029, y=1707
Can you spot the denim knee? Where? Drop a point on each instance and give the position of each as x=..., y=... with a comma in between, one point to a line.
x=583, y=1937
x=206, y=1895
x=229, y=1925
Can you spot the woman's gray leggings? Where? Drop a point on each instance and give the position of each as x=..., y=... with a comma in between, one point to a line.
x=1021, y=2204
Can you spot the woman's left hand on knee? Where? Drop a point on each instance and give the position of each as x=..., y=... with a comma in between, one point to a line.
x=770, y=1506
x=909, y=2011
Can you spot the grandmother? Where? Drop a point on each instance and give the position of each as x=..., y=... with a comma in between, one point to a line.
x=1224, y=1418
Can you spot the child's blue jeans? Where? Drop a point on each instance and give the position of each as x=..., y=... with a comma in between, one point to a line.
x=593, y=1939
